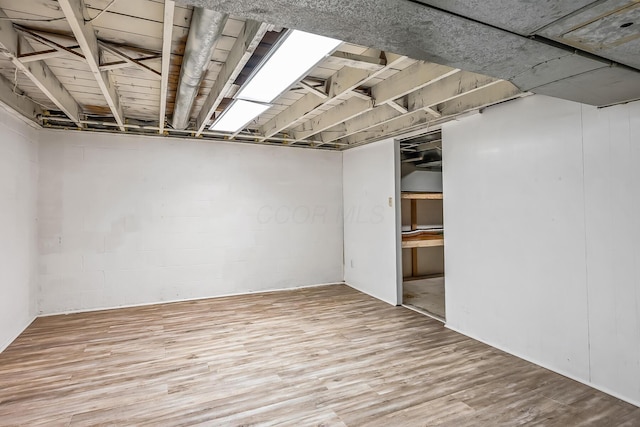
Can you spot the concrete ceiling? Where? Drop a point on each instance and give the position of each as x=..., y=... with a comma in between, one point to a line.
x=585, y=51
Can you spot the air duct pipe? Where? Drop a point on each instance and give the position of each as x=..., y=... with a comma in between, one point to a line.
x=206, y=27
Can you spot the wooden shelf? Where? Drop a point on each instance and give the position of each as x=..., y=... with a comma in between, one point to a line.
x=422, y=241
x=421, y=196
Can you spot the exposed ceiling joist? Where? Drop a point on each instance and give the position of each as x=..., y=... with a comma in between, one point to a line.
x=167, y=32
x=240, y=53
x=491, y=94
x=408, y=80
x=37, y=72
x=370, y=62
x=444, y=99
x=447, y=88
x=340, y=113
x=415, y=76
x=342, y=82
x=377, y=115
x=402, y=123
x=74, y=10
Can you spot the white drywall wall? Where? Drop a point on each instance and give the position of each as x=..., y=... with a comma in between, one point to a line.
x=18, y=226
x=371, y=246
x=542, y=242
x=612, y=214
x=128, y=220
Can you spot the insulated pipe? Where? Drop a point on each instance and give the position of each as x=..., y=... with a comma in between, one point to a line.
x=206, y=27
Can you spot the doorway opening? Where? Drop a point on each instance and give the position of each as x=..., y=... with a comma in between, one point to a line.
x=423, y=286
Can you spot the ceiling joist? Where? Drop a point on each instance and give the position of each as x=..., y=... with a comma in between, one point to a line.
x=340, y=83
x=492, y=93
x=37, y=72
x=369, y=62
x=75, y=10
x=415, y=76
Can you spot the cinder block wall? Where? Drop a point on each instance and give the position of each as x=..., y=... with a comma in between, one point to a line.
x=126, y=220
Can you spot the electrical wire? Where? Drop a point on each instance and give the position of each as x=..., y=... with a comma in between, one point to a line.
x=101, y=12
x=22, y=94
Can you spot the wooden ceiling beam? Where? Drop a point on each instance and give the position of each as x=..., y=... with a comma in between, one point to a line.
x=340, y=83
x=418, y=75
x=380, y=114
x=498, y=91
x=402, y=123
x=75, y=11
x=426, y=98
x=490, y=94
x=167, y=32
x=38, y=72
x=448, y=88
x=244, y=46
x=369, y=62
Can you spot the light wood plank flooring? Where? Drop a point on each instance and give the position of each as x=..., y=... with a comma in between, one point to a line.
x=425, y=294
x=326, y=356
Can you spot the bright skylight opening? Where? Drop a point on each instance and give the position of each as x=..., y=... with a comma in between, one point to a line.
x=238, y=115
x=291, y=61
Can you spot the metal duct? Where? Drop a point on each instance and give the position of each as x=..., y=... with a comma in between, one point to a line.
x=206, y=27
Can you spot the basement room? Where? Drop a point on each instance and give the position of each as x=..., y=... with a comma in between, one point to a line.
x=360, y=213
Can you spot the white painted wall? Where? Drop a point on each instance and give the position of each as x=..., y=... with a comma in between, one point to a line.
x=18, y=226
x=129, y=220
x=542, y=242
x=371, y=242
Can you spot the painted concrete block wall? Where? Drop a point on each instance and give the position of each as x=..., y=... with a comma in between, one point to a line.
x=542, y=240
x=127, y=220
x=18, y=226
x=371, y=246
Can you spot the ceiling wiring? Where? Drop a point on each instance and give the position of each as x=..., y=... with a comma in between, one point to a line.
x=101, y=12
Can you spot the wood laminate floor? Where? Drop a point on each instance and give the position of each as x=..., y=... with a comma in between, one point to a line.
x=326, y=356
x=425, y=294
